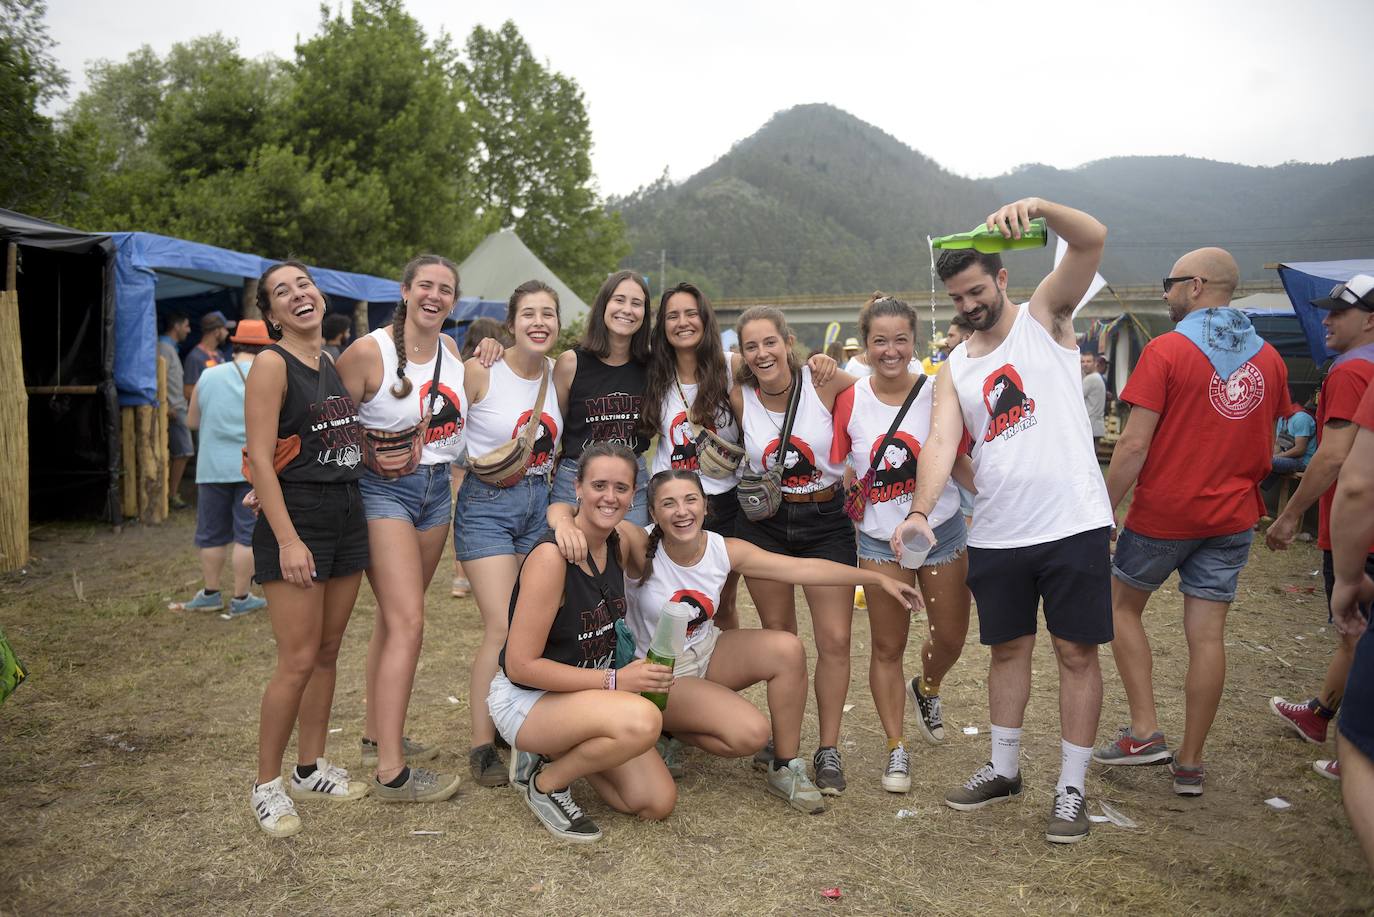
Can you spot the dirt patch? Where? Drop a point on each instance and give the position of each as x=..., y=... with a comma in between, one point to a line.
x=125, y=764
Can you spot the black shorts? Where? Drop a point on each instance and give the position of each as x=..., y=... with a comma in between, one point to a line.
x=1073, y=575
x=1329, y=576
x=820, y=530
x=722, y=513
x=1356, y=721
x=329, y=518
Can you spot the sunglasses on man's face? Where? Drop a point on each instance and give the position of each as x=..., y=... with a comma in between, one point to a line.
x=1170, y=281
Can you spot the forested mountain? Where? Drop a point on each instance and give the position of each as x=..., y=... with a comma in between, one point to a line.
x=818, y=201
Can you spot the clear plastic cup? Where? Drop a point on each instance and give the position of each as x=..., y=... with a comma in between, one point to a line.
x=915, y=548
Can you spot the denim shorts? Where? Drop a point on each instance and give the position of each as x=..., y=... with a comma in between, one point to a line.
x=1208, y=568
x=179, y=443
x=565, y=479
x=965, y=501
x=951, y=538
x=421, y=498
x=822, y=530
x=492, y=521
x=221, y=517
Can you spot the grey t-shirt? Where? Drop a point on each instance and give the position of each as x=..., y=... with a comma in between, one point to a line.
x=1095, y=400
x=176, y=396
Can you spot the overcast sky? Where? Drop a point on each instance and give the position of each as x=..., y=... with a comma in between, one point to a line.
x=675, y=84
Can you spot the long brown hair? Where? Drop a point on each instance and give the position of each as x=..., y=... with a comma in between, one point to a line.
x=713, y=383
x=745, y=374
x=597, y=339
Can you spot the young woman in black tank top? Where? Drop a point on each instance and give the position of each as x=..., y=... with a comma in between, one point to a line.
x=310, y=543
x=572, y=706
x=601, y=384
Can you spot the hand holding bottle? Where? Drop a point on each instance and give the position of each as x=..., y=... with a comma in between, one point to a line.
x=1014, y=219
x=643, y=675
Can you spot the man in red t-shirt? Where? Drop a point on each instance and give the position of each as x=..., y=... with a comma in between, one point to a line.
x=1349, y=326
x=1352, y=530
x=1204, y=400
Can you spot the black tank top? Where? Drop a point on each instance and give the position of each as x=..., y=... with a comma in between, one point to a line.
x=583, y=631
x=318, y=410
x=603, y=405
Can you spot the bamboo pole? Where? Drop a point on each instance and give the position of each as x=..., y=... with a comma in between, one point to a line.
x=161, y=445
x=128, y=475
x=14, y=426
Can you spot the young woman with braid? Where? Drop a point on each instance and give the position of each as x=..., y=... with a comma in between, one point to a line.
x=679, y=560
x=496, y=526
x=310, y=543
x=863, y=416
x=390, y=373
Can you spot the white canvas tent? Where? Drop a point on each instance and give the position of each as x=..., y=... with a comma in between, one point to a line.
x=501, y=263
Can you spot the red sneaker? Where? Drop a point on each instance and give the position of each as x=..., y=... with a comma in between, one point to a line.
x=1304, y=719
x=1331, y=770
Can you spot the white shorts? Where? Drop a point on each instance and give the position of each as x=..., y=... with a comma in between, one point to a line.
x=696, y=659
x=509, y=705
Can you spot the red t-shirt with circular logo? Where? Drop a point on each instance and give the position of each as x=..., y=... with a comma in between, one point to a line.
x=1213, y=443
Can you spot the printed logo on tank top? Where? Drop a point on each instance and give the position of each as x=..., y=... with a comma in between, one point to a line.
x=1241, y=393
x=799, y=472
x=541, y=456
x=705, y=608
x=1010, y=409
x=894, y=472
x=683, y=454
x=446, y=423
x=336, y=422
x=596, y=636
x=612, y=418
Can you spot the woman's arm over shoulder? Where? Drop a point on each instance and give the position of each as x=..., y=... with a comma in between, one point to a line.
x=476, y=380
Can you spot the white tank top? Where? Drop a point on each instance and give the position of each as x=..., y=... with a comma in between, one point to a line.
x=1033, y=459
x=698, y=586
x=867, y=421
x=504, y=410
x=676, y=445
x=444, y=438
x=807, y=466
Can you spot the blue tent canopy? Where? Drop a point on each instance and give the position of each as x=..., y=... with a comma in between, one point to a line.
x=150, y=267
x=1305, y=281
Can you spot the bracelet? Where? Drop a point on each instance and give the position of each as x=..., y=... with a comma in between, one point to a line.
x=283, y=547
x=917, y=512
x=608, y=680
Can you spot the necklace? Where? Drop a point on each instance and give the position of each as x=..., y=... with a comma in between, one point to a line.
x=303, y=357
x=787, y=388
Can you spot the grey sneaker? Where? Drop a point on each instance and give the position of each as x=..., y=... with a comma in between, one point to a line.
x=1187, y=780
x=983, y=789
x=421, y=786
x=763, y=758
x=1127, y=749
x=670, y=750
x=487, y=767
x=413, y=751
x=522, y=765
x=897, y=777
x=792, y=784
x=829, y=770
x=929, y=716
x=1068, y=822
x=559, y=814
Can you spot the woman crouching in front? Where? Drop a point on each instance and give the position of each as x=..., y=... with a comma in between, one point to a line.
x=556, y=694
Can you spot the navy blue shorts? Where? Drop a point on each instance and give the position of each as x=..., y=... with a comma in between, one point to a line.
x=1356, y=721
x=221, y=517
x=722, y=513
x=1072, y=575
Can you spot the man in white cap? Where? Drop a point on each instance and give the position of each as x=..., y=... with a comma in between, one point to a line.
x=1349, y=324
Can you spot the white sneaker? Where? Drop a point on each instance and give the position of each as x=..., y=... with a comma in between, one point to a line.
x=274, y=810
x=329, y=781
x=897, y=777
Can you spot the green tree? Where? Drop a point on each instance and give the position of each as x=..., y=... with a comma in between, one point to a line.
x=40, y=165
x=533, y=166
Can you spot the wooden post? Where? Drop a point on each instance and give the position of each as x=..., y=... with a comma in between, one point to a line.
x=128, y=475
x=161, y=446
x=14, y=426
x=360, y=328
x=248, y=307
x=145, y=424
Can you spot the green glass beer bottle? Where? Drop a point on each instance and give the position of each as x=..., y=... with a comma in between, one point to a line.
x=990, y=241
x=670, y=636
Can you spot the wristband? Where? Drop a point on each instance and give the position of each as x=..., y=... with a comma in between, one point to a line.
x=608, y=682
x=283, y=547
x=917, y=512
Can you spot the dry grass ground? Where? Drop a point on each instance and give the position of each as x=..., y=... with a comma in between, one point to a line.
x=125, y=765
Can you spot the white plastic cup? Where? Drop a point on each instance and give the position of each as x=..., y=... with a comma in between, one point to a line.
x=915, y=548
x=670, y=634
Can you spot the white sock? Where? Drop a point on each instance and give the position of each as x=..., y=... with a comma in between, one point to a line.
x=1006, y=750
x=1073, y=766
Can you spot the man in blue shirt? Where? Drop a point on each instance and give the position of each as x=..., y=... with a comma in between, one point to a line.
x=1295, y=439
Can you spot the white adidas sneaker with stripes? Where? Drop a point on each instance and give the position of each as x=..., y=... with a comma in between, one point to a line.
x=329, y=781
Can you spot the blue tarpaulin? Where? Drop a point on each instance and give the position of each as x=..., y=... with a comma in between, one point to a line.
x=1305, y=281
x=149, y=267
